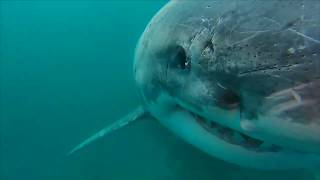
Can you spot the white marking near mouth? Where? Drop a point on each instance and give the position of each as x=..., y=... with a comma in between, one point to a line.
x=247, y=125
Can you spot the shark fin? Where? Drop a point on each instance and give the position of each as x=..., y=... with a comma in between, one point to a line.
x=137, y=114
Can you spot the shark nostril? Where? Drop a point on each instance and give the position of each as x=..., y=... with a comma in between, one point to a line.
x=230, y=100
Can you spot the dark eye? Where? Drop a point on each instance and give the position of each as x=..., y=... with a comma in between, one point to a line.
x=180, y=59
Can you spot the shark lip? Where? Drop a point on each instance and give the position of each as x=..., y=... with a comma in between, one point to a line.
x=237, y=138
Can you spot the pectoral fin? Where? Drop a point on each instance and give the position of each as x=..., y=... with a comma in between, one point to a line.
x=137, y=114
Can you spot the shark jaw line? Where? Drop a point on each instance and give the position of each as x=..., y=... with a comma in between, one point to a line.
x=233, y=136
x=184, y=123
x=246, y=151
x=236, y=138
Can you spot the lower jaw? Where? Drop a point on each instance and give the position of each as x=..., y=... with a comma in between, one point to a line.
x=186, y=125
x=237, y=138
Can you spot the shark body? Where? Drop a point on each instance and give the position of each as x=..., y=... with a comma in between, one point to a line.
x=240, y=80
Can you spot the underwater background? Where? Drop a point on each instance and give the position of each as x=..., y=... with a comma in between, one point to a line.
x=66, y=72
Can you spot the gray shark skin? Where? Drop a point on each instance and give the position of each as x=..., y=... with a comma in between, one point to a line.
x=240, y=80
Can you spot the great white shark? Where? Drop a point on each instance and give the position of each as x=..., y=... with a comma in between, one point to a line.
x=239, y=80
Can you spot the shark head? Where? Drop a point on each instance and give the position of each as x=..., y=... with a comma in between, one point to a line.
x=240, y=80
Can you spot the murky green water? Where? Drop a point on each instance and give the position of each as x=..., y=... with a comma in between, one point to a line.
x=66, y=71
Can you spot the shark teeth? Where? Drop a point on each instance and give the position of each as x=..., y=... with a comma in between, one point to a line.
x=234, y=137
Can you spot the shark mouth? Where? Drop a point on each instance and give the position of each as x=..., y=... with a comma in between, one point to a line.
x=236, y=138
x=228, y=144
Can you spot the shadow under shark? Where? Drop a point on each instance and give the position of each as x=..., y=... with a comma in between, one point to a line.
x=240, y=80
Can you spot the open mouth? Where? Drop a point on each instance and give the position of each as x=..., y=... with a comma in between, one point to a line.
x=236, y=138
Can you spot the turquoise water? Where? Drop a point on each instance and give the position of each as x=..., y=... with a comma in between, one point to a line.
x=66, y=71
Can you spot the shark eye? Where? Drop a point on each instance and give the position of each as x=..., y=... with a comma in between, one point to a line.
x=180, y=59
